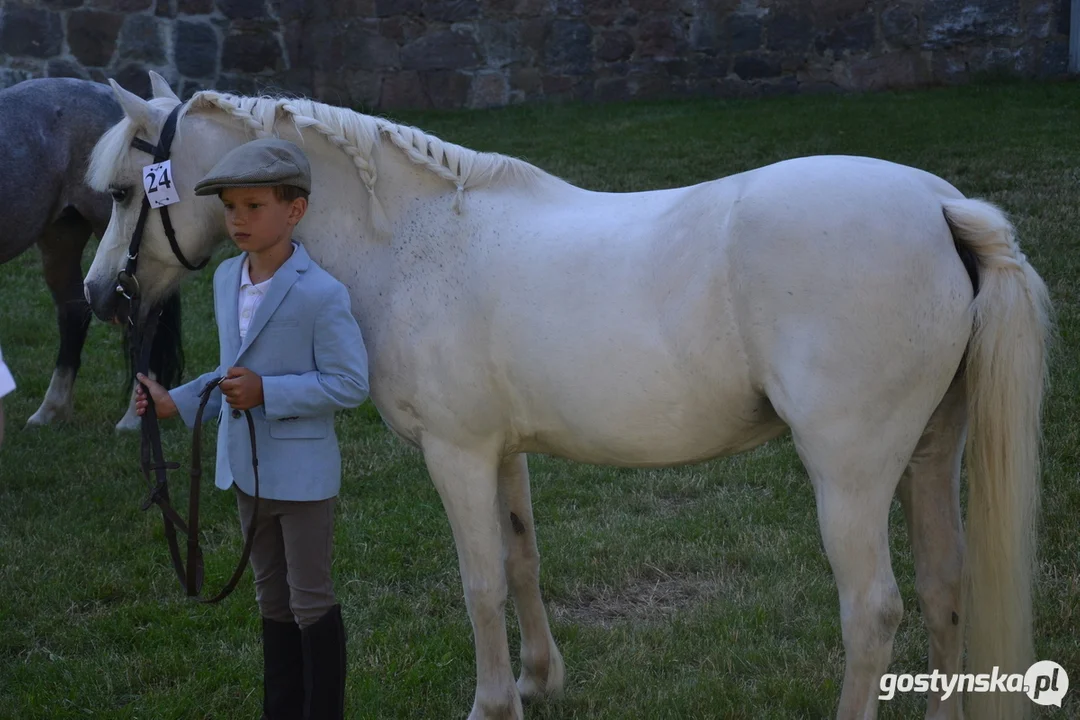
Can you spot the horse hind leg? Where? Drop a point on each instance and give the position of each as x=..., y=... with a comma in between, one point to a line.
x=854, y=532
x=62, y=245
x=855, y=473
x=930, y=494
x=542, y=669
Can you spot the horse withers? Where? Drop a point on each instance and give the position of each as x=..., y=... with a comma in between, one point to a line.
x=48, y=127
x=506, y=311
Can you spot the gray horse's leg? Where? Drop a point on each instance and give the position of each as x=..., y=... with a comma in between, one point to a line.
x=166, y=357
x=62, y=245
x=130, y=421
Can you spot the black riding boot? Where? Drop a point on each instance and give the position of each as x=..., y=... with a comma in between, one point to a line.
x=283, y=671
x=324, y=667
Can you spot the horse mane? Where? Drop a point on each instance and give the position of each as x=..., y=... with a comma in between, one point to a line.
x=354, y=133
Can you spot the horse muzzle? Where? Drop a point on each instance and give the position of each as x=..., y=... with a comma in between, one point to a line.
x=106, y=302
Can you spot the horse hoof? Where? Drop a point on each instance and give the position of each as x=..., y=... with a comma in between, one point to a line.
x=548, y=685
x=508, y=708
x=48, y=416
x=128, y=424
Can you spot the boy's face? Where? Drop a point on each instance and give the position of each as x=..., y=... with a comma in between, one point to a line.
x=257, y=221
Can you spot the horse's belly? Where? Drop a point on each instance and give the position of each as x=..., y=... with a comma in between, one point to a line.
x=656, y=419
x=665, y=447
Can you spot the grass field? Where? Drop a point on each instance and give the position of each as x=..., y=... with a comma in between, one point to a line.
x=701, y=592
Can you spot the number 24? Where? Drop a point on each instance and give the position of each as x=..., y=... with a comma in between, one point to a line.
x=155, y=183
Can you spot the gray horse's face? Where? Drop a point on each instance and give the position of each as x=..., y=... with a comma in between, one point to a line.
x=119, y=168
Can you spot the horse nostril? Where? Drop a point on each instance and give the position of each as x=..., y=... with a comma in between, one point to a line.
x=86, y=293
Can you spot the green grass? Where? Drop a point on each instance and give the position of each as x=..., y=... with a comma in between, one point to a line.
x=690, y=593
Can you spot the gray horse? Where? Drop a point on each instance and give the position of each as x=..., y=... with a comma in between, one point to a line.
x=48, y=127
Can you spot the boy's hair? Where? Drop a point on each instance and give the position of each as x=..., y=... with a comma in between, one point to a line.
x=288, y=193
x=285, y=193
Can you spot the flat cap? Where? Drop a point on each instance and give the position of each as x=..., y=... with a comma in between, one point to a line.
x=260, y=163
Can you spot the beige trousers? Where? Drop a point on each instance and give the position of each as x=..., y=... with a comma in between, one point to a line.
x=291, y=557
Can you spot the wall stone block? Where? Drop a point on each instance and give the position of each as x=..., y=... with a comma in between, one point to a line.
x=92, y=35
x=195, y=49
x=30, y=31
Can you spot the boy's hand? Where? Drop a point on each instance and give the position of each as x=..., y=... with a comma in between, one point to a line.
x=242, y=388
x=163, y=402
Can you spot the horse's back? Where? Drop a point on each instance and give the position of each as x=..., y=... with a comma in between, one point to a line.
x=50, y=126
x=50, y=119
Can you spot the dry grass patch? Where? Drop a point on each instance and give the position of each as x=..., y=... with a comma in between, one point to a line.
x=653, y=598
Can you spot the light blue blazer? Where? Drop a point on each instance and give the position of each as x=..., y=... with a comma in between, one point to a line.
x=306, y=345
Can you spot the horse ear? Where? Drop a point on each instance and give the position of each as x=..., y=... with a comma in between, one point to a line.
x=137, y=109
x=161, y=87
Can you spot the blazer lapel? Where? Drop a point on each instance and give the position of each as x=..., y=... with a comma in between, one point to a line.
x=230, y=322
x=279, y=286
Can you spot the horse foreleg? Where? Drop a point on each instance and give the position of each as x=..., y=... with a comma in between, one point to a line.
x=542, y=668
x=61, y=246
x=467, y=483
x=166, y=357
x=131, y=421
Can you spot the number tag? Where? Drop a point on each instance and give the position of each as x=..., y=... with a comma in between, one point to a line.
x=159, y=184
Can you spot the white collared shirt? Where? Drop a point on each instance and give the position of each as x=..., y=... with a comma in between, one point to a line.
x=249, y=299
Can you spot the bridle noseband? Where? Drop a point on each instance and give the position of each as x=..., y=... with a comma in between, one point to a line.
x=152, y=459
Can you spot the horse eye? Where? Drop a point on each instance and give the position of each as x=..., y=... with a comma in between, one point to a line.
x=119, y=194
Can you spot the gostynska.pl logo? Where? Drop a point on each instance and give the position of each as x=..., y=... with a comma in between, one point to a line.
x=1045, y=683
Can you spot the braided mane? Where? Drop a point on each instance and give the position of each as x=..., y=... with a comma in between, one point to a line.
x=357, y=135
x=353, y=133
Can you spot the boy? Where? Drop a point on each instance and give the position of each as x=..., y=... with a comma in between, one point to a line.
x=292, y=354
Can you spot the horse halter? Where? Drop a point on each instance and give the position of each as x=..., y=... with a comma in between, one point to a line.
x=126, y=284
x=152, y=462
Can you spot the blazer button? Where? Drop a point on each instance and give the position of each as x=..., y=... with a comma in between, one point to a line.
x=236, y=414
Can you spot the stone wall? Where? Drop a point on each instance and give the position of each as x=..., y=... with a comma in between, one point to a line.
x=386, y=54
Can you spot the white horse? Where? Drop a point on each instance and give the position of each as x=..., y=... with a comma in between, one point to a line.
x=507, y=311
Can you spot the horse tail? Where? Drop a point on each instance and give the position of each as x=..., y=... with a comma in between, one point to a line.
x=166, y=350
x=1005, y=376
